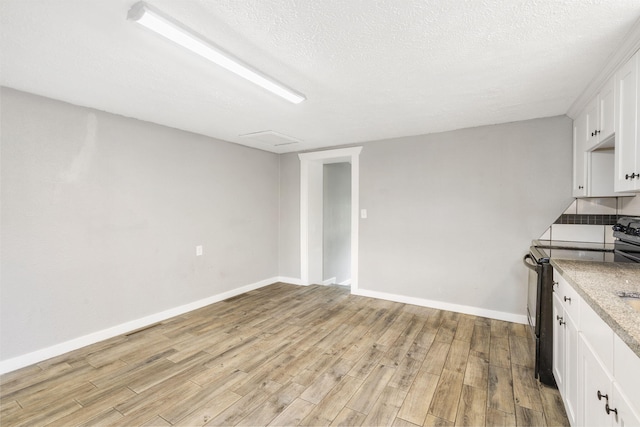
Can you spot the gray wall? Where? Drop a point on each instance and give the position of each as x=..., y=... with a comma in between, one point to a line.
x=289, y=229
x=336, y=222
x=450, y=215
x=101, y=215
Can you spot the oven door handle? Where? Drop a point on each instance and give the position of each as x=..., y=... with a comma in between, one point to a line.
x=626, y=255
x=534, y=266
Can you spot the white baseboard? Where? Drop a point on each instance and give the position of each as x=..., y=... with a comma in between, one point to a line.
x=291, y=280
x=345, y=283
x=92, y=338
x=330, y=281
x=440, y=305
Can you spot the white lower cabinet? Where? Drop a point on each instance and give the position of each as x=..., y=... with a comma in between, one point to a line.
x=624, y=416
x=571, y=370
x=595, y=388
x=598, y=375
x=626, y=387
x=602, y=402
x=559, y=340
x=565, y=346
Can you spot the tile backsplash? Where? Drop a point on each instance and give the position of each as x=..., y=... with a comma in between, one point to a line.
x=587, y=219
x=599, y=211
x=590, y=220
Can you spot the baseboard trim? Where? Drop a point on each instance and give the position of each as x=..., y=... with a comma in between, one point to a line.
x=123, y=328
x=330, y=281
x=291, y=281
x=92, y=338
x=345, y=283
x=476, y=311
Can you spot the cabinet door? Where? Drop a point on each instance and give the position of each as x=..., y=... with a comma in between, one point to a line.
x=626, y=121
x=558, y=344
x=625, y=416
x=607, y=107
x=595, y=389
x=626, y=371
x=591, y=117
x=571, y=368
x=579, y=156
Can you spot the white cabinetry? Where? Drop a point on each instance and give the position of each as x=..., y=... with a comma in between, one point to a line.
x=593, y=146
x=580, y=156
x=603, y=403
x=596, y=368
x=596, y=388
x=598, y=375
x=621, y=404
x=565, y=346
x=600, y=116
x=626, y=387
x=559, y=345
x=627, y=165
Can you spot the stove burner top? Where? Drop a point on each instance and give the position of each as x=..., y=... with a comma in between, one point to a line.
x=628, y=229
x=580, y=254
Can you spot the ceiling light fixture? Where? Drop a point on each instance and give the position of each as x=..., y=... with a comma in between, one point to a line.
x=178, y=33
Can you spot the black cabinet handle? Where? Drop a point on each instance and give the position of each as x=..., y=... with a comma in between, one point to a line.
x=597, y=132
x=609, y=410
x=580, y=187
x=560, y=320
x=567, y=299
x=600, y=396
x=593, y=134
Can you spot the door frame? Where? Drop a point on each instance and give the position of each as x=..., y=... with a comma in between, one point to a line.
x=340, y=155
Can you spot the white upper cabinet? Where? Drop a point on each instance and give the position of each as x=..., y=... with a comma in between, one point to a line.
x=627, y=152
x=606, y=138
x=591, y=123
x=607, y=110
x=580, y=156
x=593, y=154
x=600, y=116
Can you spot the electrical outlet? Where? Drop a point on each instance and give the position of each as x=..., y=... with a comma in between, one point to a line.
x=199, y=250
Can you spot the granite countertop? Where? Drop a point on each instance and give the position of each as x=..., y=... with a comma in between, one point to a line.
x=598, y=283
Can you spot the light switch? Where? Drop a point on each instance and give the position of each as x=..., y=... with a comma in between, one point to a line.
x=199, y=250
x=363, y=213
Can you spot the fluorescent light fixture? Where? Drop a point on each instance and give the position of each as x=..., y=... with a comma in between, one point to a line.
x=178, y=33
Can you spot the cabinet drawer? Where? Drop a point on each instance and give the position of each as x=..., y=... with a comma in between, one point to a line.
x=627, y=371
x=569, y=298
x=598, y=334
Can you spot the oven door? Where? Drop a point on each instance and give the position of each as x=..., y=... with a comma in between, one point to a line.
x=533, y=291
x=626, y=252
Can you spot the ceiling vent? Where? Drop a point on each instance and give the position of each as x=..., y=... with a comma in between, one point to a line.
x=271, y=138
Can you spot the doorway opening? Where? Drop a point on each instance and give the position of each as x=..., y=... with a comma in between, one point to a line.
x=336, y=224
x=312, y=238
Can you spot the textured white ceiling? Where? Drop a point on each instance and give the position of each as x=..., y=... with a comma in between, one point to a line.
x=371, y=69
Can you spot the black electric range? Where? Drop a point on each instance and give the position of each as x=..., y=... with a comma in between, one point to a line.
x=626, y=248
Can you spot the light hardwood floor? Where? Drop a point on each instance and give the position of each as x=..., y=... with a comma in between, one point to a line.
x=288, y=355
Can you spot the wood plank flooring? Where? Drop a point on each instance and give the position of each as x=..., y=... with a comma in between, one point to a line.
x=288, y=355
